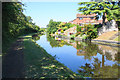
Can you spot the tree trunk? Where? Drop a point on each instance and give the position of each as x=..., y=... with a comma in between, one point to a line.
x=103, y=61
x=103, y=22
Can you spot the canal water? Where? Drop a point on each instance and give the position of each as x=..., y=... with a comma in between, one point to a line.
x=87, y=59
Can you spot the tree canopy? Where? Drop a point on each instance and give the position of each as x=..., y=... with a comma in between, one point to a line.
x=106, y=9
x=14, y=22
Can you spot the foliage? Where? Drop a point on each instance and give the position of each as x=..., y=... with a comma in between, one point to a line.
x=62, y=31
x=98, y=25
x=96, y=71
x=84, y=36
x=43, y=65
x=56, y=43
x=66, y=26
x=88, y=49
x=118, y=23
x=36, y=37
x=117, y=38
x=42, y=29
x=15, y=23
x=109, y=10
x=89, y=31
x=72, y=36
x=79, y=28
x=52, y=26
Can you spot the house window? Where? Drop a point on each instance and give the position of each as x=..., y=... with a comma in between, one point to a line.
x=80, y=18
x=92, y=17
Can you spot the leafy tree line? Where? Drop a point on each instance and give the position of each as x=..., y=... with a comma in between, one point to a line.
x=54, y=26
x=105, y=9
x=15, y=23
x=89, y=30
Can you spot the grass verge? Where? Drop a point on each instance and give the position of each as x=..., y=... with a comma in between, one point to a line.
x=117, y=38
x=40, y=64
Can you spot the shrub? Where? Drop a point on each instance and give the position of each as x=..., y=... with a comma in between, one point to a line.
x=62, y=31
x=89, y=30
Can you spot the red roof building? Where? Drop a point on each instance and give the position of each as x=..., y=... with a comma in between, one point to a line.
x=85, y=19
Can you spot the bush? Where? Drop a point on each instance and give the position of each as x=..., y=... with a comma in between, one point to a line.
x=118, y=23
x=72, y=36
x=62, y=31
x=98, y=25
x=84, y=36
x=89, y=30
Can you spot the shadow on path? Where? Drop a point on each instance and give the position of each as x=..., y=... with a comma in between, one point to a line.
x=13, y=61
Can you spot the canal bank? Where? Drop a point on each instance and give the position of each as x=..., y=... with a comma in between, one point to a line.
x=85, y=58
x=42, y=57
x=26, y=59
x=40, y=64
x=96, y=41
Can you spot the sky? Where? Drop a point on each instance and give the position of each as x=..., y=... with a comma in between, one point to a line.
x=42, y=12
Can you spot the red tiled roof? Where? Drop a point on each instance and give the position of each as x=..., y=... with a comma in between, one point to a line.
x=82, y=15
x=91, y=21
x=86, y=20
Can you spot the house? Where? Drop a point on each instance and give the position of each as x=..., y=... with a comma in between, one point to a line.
x=82, y=19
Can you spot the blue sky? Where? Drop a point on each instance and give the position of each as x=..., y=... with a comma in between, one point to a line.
x=42, y=12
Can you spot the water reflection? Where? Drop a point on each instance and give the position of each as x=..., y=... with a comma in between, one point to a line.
x=98, y=71
x=56, y=43
x=91, y=60
x=110, y=52
x=86, y=49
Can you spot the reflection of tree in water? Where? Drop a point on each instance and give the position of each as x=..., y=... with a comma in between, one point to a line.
x=86, y=70
x=117, y=57
x=88, y=48
x=111, y=53
x=56, y=43
x=98, y=68
x=96, y=71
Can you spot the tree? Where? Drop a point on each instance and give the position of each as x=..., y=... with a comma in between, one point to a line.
x=105, y=9
x=52, y=26
x=14, y=22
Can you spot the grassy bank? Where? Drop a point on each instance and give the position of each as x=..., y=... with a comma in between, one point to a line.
x=117, y=38
x=40, y=64
x=7, y=42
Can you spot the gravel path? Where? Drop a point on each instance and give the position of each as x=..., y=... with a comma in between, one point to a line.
x=13, y=61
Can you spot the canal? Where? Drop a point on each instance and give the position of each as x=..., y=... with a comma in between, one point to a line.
x=84, y=58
